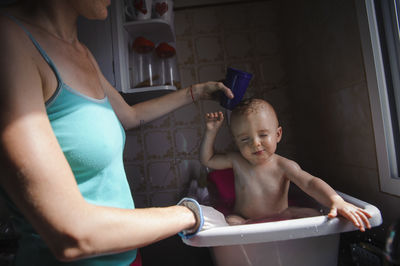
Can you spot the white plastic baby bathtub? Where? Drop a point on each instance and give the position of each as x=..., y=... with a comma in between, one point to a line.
x=312, y=241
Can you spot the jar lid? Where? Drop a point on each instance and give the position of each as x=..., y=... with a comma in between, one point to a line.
x=142, y=45
x=164, y=50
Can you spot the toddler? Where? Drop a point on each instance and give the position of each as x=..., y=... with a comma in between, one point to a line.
x=262, y=177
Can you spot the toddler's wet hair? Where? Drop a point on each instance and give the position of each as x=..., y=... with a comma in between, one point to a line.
x=248, y=106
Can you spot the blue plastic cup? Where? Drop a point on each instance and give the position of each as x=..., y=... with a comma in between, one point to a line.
x=237, y=81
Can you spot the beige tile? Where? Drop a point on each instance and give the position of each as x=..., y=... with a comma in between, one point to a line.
x=210, y=106
x=355, y=181
x=190, y=169
x=187, y=115
x=187, y=141
x=239, y=45
x=188, y=76
x=342, y=43
x=224, y=140
x=136, y=177
x=164, y=199
x=320, y=11
x=233, y=18
x=350, y=126
x=272, y=71
x=162, y=175
x=162, y=122
x=133, y=148
x=279, y=100
x=183, y=23
x=158, y=144
x=209, y=49
x=205, y=21
x=185, y=51
x=212, y=72
x=265, y=43
x=289, y=139
x=263, y=15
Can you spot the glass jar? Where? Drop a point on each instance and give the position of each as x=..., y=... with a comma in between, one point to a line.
x=142, y=63
x=167, y=66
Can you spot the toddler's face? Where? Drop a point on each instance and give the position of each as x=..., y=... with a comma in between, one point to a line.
x=256, y=135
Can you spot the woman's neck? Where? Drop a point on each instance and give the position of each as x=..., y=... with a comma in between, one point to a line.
x=56, y=17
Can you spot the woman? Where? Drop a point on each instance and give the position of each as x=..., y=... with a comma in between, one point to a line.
x=62, y=135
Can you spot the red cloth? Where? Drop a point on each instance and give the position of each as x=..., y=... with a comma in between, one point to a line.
x=138, y=260
x=224, y=181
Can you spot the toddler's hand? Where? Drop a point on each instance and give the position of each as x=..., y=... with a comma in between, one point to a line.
x=356, y=215
x=214, y=120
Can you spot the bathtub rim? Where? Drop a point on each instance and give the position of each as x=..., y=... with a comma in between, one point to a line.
x=282, y=230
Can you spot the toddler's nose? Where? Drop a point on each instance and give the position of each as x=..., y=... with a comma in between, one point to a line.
x=256, y=142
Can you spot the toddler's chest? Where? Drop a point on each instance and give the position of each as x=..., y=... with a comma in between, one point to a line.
x=259, y=183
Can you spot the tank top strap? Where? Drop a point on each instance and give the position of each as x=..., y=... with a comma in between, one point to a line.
x=38, y=47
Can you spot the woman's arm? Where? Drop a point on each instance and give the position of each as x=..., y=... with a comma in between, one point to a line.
x=144, y=112
x=38, y=179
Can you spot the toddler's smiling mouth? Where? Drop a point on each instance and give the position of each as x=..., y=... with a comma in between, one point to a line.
x=259, y=152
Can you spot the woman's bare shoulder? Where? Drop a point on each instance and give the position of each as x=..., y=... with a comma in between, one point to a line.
x=11, y=32
x=15, y=45
x=20, y=80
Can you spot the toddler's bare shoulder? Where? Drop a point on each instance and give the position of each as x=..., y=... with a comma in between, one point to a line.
x=235, y=157
x=286, y=163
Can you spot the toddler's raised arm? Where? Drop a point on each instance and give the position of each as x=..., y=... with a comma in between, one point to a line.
x=207, y=156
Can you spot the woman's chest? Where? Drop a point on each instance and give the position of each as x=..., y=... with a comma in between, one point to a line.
x=75, y=68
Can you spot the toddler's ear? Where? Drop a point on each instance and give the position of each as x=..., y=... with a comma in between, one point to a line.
x=278, y=134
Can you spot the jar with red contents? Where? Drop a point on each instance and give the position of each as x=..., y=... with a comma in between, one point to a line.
x=167, y=66
x=142, y=63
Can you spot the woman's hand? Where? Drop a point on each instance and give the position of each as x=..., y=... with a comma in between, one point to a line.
x=209, y=90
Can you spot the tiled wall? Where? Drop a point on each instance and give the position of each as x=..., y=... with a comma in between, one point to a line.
x=161, y=158
x=307, y=61
x=328, y=90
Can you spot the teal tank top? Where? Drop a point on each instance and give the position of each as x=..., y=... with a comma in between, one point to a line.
x=92, y=139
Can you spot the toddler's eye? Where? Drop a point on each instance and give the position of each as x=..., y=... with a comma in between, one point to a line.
x=264, y=135
x=244, y=139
